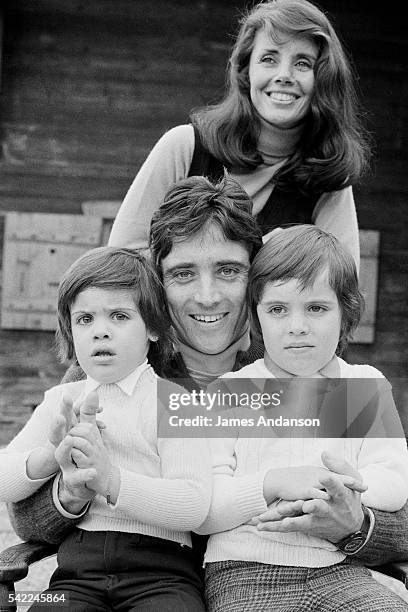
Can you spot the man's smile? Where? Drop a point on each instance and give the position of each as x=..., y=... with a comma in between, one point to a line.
x=202, y=318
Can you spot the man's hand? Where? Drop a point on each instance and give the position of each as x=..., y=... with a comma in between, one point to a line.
x=331, y=519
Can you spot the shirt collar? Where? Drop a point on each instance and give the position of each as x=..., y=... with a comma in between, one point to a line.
x=127, y=384
x=330, y=370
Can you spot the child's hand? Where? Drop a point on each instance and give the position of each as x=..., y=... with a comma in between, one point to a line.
x=88, y=450
x=62, y=422
x=351, y=478
x=41, y=462
x=278, y=510
x=86, y=411
x=73, y=489
x=294, y=483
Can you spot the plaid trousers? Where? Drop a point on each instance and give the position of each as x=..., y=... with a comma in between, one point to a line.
x=244, y=586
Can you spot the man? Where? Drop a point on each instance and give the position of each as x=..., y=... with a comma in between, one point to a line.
x=202, y=240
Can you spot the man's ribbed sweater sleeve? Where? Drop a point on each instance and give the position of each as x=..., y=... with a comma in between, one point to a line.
x=36, y=518
x=389, y=540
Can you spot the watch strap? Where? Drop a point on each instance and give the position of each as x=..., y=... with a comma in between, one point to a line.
x=351, y=544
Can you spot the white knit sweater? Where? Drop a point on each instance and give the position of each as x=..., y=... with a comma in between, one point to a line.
x=240, y=465
x=165, y=483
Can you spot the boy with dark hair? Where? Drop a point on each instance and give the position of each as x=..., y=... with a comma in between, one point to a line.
x=132, y=549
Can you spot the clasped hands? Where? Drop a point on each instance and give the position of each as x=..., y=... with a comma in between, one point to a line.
x=322, y=502
x=79, y=451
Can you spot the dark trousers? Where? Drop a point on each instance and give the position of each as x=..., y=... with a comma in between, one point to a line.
x=114, y=571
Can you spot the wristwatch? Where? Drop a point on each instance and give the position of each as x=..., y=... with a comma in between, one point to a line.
x=353, y=543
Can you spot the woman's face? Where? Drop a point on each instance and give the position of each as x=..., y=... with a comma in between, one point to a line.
x=281, y=76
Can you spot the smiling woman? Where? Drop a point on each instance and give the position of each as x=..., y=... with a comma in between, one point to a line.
x=281, y=76
x=288, y=130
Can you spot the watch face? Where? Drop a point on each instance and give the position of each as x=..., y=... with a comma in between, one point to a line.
x=354, y=544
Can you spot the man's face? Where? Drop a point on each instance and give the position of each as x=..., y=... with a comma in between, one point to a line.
x=205, y=279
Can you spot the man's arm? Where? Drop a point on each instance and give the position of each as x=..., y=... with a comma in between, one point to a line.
x=389, y=538
x=36, y=518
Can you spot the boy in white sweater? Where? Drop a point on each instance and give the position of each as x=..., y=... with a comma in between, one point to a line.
x=304, y=298
x=132, y=549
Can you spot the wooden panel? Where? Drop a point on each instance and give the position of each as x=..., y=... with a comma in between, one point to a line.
x=38, y=248
x=105, y=209
x=1, y=40
x=90, y=86
x=369, y=251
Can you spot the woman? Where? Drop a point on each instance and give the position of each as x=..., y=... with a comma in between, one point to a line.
x=287, y=130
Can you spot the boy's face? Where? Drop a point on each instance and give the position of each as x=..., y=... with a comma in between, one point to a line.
x=110, y=337
x=300, y=328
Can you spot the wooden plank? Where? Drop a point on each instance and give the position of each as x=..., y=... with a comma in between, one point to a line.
x=1, y=42
x=369, y=252
x=107, y=209
x=37, y=250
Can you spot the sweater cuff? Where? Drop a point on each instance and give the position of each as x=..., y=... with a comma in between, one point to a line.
x=250, y=499
x=60, y=507
x=19, y=485
x=236, y=500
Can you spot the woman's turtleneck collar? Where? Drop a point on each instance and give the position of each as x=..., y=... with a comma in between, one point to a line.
x=204, y=368
x=275, y=143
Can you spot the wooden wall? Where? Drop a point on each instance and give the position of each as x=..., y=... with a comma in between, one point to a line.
x=88, y=86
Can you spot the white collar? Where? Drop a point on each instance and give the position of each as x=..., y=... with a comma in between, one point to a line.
x=333, y=369
x=127, y=384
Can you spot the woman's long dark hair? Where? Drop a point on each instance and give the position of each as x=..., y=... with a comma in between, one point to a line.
x=335, y=148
